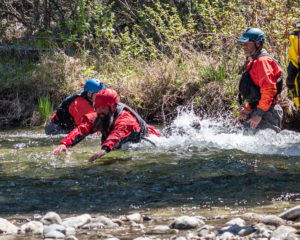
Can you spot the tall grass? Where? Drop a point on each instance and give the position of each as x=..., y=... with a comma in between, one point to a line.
x=45, y=108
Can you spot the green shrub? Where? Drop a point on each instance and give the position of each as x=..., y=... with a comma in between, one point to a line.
x=45, y=108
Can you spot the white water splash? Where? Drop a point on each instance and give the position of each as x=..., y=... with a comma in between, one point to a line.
x=222, y=134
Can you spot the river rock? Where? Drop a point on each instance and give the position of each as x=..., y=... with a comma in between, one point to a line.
x=143, y=238
x=205, y=230
x=136, y=217
x=226, y=236
x=291, y=214
x=70, y=231
x=54, y=227
x=7, y=228
x=51, y=218
x=237, y=230
x=162, y=229
x=177, y=238
x=106, y=222
x=294, y=225
x=272, y=220
x=262, y=231
x=236, y=221
x=78, y=221
x=186, y=222
x=55, y=234
x=117, y=221
x=282, y=232
x=251, y=216
x=32, y=227
x=93, y=226
x=71, y=238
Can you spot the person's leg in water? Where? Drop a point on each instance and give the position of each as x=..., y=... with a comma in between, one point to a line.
x=272, y=119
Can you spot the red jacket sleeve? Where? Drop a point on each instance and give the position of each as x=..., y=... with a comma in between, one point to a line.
x=81, y=131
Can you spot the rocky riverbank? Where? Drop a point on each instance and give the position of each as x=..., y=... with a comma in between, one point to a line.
x=285, y=225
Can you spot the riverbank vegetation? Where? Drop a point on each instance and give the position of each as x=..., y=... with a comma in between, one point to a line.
x=157, y=54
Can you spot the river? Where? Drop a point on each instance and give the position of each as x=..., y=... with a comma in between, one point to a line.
x=209, y=170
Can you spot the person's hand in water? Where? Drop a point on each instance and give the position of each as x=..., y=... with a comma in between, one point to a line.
x=60, y=148
x=243, y=113
x=254, y=121
x=100, y=154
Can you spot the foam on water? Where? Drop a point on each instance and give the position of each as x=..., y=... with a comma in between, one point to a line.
x=222, y=134
x=184, y=132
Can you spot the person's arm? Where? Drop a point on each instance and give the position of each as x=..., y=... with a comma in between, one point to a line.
x=99, y=154
x=292, y=72
x=75, y=136
x=60, y=148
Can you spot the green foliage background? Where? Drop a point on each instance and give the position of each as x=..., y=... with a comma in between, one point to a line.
x=157, y=54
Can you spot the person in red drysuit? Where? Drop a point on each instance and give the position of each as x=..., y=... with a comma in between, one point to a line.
x=69, y=113
x=260, y=84
x=117, y=122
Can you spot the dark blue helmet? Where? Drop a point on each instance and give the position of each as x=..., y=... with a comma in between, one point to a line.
x=93, y=85
x=253, y=35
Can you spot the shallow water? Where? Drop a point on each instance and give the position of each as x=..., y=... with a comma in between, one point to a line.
x=215, y=169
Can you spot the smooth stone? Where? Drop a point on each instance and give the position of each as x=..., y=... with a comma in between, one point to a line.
x=55, y=234
x=251, y=216
x=226, y=236
x=51, y=218
x=32, y=227
x=70, y=231
x=108, y=223
x=162, y=229
x=54, y=227
x=237, y=230
x=7, y=227
x=291, y=213
x=205, y=230
x=135, y=217
x=78, y=221
x=261, y=231
x=93, y=226
x=236, y=221
x=282, y=232
x=71, y=238
x=272, y=220
x=186, y=222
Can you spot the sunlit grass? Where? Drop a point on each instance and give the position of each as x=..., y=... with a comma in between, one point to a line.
x=45, y=108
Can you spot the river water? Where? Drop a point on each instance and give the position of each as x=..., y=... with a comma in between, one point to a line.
x=212, y=169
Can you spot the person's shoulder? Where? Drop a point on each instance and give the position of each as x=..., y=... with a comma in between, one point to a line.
x=125, y=114
x=265, y=58
x=89, y=117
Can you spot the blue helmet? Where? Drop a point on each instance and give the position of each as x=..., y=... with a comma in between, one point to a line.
x=93, y=85
x=253, y=35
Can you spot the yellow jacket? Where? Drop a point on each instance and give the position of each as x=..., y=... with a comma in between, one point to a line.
x=293, y=78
